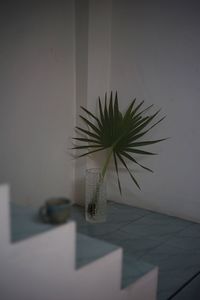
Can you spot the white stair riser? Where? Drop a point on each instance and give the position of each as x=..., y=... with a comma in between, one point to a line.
x=43, y=267
x=101, y=279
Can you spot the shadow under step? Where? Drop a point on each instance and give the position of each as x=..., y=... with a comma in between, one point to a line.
x=89, y=249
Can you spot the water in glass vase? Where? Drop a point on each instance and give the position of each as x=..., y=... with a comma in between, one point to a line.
x=96, y=202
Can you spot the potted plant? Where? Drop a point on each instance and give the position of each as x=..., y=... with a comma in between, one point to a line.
x=121, y=134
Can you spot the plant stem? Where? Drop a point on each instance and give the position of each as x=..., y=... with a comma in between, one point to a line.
x=106, y=162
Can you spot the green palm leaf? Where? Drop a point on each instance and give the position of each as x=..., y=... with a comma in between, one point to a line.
x=87, y=140
x=134, y=160
x=119, y=133
x=125, y=165
x=92, y=126
x=89, y=152
x=138, y=151
x=93, y=116
x=117, y=172
x=87, y=132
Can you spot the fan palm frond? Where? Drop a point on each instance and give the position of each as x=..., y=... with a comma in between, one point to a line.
x=119, y=133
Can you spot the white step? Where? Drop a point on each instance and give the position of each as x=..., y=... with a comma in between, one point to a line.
x=94, y=272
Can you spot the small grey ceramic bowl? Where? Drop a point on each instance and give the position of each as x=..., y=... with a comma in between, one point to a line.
x=56, y=210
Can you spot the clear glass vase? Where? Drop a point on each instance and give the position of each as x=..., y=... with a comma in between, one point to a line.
x=96, y=203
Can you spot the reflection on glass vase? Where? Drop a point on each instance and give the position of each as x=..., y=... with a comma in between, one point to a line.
x=95, y=204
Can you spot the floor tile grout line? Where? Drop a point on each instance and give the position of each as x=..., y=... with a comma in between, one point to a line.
x=183, y=286
x=170, y=236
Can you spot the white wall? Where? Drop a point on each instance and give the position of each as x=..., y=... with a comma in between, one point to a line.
x=37, y=83
x=151, y=52
x=155, y=56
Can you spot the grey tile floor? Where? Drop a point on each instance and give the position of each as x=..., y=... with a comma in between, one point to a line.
x=148, y=238
x=172, y=244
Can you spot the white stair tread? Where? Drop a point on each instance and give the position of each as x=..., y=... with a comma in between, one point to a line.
x=25, y=223
x=89, y=249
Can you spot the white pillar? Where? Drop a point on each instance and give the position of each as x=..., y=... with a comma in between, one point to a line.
x=93, y=33
x=4, y=217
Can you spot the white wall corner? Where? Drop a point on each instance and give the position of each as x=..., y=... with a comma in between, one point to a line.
x=99, y=49
x=81, y=50
x=93, y=40
x=4, y=216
